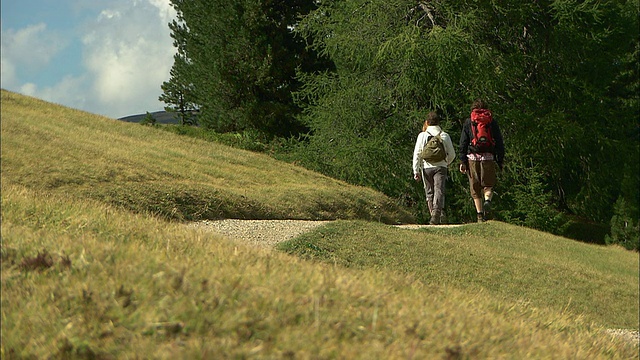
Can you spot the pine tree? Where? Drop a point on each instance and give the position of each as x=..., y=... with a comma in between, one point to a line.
x=556, y=74
x=237, y=61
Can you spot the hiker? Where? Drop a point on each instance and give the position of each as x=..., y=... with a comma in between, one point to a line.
x=432, y=154
x=481, y=153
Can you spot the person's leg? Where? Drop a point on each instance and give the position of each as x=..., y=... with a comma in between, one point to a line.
x=427, y=180
x=486, y=204
x=477, y=202
x=488, y=181
x=475, y=186
x=439, y=181
x=488, y=193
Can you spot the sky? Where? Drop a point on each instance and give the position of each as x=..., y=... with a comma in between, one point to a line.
x=107, y=57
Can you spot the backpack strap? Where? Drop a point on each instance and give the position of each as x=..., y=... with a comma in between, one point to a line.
x=474, y=132
x=430, y=134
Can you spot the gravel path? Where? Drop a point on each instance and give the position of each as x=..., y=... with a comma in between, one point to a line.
x=261, y=233
x=268, y=233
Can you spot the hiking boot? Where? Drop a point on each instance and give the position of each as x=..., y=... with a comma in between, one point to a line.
x=486, y=208
x=435, y=218
x=481, y=218
x=443, y=218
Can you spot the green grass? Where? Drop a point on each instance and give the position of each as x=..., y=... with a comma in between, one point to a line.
x=506, y=261
x=89, y=271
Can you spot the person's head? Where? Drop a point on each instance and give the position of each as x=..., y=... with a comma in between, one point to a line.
x=432, y=119
x=479, y=104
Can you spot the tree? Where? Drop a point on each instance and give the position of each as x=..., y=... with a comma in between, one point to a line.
x=178, y=93
x=624, y=228
x=237, y=60
x=556, y=73
x=148, y=120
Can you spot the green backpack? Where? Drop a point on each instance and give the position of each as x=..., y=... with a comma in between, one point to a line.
x=433, y=151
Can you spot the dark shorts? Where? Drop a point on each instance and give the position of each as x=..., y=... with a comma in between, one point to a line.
x=482, y=174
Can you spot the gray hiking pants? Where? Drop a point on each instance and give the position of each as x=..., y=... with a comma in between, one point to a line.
x=434, y=179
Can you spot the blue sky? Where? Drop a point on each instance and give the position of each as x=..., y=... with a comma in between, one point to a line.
x=107, y=57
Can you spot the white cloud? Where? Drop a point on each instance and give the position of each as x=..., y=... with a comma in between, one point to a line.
x=29, y=89
x=27, y=50
x=70, y=91
x=108, y=14
x=165, y=10
x=8, y=76
x=32, y=46
x=128, y=54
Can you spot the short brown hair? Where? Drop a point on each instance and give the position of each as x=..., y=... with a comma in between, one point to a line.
x=432, y=119
x=479, y=104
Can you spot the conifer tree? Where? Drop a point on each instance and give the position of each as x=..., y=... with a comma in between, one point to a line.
x=557, y=74
x=238, y=61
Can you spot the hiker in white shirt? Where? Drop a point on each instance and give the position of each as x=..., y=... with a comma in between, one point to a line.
x=433, y=174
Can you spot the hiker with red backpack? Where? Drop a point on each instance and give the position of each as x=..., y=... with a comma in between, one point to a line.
x=432, y=154
x=481, y=153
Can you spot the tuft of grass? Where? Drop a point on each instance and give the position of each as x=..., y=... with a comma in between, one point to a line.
x=510, y=262
x=143, y=169
x=125, y=285
x=42, y=261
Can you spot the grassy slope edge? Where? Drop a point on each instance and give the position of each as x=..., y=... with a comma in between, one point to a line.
x=54, y=148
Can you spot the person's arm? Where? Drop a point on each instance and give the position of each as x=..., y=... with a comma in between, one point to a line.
x=448, y=148
x=465, y=139
x=417, y=161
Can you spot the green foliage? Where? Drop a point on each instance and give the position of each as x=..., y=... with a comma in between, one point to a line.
x=624, y=226
x=178, y=92
x=625, y=221
x=559, y=76
x=236, y=63
x=584, y=230
x=527, y=201
x=148, y=120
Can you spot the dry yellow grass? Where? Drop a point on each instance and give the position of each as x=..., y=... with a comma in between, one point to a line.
x=119, y=285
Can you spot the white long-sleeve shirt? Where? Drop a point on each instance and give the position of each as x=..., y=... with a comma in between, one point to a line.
x=419, y=164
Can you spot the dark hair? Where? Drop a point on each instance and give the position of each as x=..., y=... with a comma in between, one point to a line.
x=432, y=119
x=479, y=104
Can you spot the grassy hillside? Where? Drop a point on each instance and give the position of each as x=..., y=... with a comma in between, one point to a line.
x=84, y=276
x=82, y=279
x=49, y=147
x=506, y=261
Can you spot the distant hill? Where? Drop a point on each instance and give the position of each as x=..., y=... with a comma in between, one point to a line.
x=162, y=117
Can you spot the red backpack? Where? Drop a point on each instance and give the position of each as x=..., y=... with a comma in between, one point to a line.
x=482, y=141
